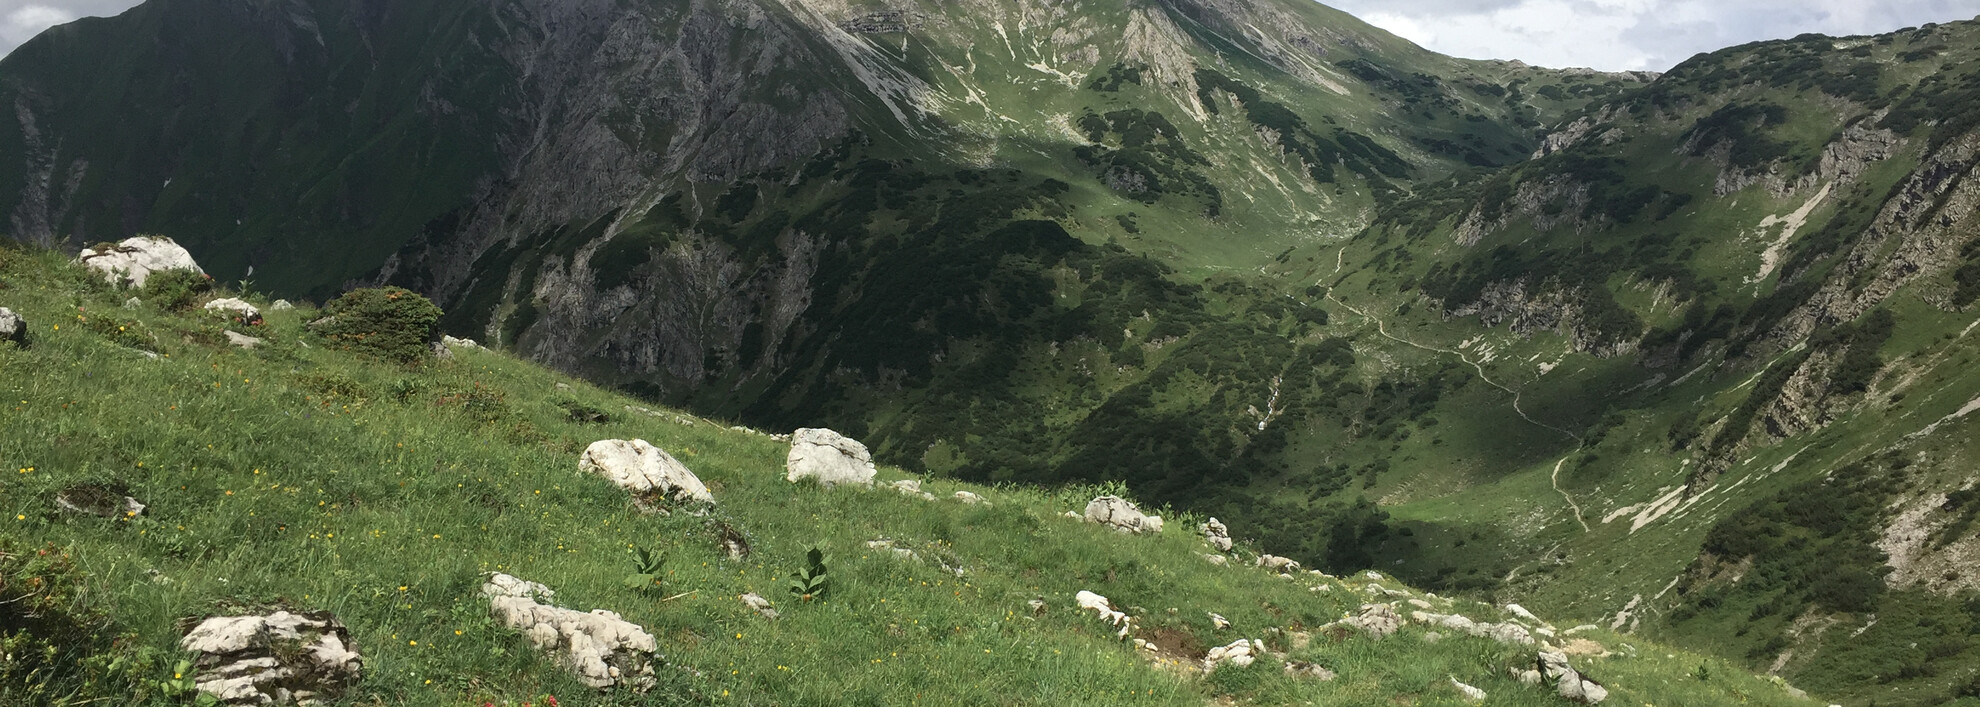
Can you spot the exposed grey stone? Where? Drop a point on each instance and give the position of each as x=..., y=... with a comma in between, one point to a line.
x=133, y=260
x=12, y=326
x=280, y=658
x=1218, y=536
x=829, y=457
x=601, y=648
x=1122, y=515
x=640, y=467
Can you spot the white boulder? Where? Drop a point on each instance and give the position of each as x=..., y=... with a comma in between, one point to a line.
x=912, y=487
x=1105, y=609
x=280, y=305
x=1276, y=563
x=601, y=648
x=1218, y=621
x=760, y=605
x=642, y=468
x=1470, y=693
x=135, y=259
x=1240, y=653
x=1379, y=620
x=1122, y=515
x=1217, y=534
x=1568, y=682
x=453, y=343
x=829, y=457
x=236, y=308
x=12, y=326
x=280, y=658
x=242, y=340
x=970, y=498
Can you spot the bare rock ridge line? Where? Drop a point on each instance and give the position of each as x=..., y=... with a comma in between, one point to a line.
x=1553, y=479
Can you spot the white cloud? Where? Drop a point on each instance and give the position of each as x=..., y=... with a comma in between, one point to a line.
x=1633, y=34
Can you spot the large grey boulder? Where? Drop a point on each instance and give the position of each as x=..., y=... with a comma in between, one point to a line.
x=829, y=457
x=135, y=259
x=280, y=658
x=644, y=469
x=1122, y=515
x=602, y=649
x=1568, y=682
x=12, y=326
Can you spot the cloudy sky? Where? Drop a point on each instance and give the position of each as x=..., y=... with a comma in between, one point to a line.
x=1604, y=34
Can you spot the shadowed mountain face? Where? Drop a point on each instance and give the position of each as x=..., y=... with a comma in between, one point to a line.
x=1492, y=327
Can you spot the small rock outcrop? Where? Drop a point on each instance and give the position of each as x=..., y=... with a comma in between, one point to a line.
x=1122, y=515
x=1100, y=605
x=1275, y=563
x=829, y=457
x=1303, y=669
x=12, y=326
x=970, y=498
x=280, y=658
x=602, y=649
x=236, y=308
x=453, y=343
x=1379, y=620
x=644, y=469
x=135, y=259
x=280, y=305
x=1470, y=693
x=1568, y=682
x=911, y=487
x=1239, y=653
x=242, y=340
x=760, y=605
x=1217, y=535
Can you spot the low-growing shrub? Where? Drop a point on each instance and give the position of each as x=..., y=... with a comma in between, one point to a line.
x=393, y=323
x=175, y=290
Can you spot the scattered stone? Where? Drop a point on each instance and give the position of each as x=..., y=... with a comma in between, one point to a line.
x=1037, y=606
x=1122, y=515
x=829, y=457
x=601, y=648
x=1432, y=637
x=1507, y=633
x=1379, y=620
x=1320, y=588
x=280, y=305
x=1421, y=604
x=1073, y=515
x=912, y=487
x=135, y=259
x=643, y=469
x=1241, y=652
x=1217, y=620
x=1372, y=574
x=1277, y=563
x=280, y=658
x=1568, y=682
x=1216, y=559
x=563, y=386
x=236, y=308
x=12, y=326
x=133, y=303
x=1303, y=669
x=454, y=343
x=1529, y=678
x=1521, y=612
x=1579, y=629
x=1105, y=609
x=1217, y=534
x=1470, y=693
x=103, y=501
x=970, y=498
x=242, y=340
x=759, y=604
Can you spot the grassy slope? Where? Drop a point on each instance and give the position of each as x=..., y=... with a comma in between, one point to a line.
x=304, y=477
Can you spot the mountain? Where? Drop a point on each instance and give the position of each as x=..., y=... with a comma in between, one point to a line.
x=1675, y=353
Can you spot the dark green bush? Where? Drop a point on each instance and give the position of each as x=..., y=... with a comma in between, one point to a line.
x=175, y=290
x=391, y=322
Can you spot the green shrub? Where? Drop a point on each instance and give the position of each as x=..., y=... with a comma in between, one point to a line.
x=393, y=323
x=175, y=290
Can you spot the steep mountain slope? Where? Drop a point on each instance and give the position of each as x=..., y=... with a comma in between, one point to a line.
x=1735, y=307
x=300, y=476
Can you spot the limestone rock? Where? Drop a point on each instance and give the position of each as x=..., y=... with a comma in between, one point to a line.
x=829, y=457
x=1277, y=563
x=1219, y=621
x=642, y=468
x=12, y=326
x=1379, y=620
x=1105, y=609
x=242, y=340
x=454, y=343
x=970, y=498
x=1122, y=515
x=135, y=259
x=912, y=487
x=133, y=303
x=1470, y=693
x=280, y=658
x=1216, y=559
x=1521, y=612
x=1218, y=536
x=280, y=305
x=236, y=308
x=760, y=605
x=104, y=501
x=1303, y=669
x=602, y=649
x=1568, y=682
x=1240, y=653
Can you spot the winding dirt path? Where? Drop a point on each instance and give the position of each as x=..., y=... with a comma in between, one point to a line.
x=1554, y=479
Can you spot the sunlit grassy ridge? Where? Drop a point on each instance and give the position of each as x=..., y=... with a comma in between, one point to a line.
x=302, y=477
